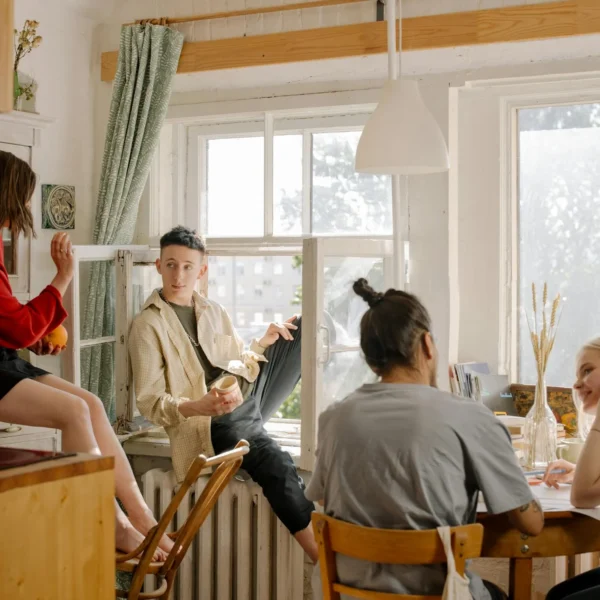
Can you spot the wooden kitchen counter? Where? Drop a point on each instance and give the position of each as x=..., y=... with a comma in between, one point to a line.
x=57, y=522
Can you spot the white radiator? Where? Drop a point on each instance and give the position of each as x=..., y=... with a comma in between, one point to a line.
x=242, y=551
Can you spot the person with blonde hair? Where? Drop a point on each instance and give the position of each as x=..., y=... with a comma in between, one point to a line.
x=585, y=479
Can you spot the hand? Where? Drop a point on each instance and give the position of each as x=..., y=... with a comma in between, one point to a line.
x=213, y=404
x=553, y=479
x=275, y=331
x=62, y=254
x=42, y=348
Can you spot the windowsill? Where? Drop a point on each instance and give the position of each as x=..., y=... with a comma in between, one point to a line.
x=156, y=442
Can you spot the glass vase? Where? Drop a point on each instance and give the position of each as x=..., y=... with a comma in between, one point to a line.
x=16, y=90
x=540, y=430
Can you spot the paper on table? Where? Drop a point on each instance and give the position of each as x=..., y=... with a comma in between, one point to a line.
x=553, y=500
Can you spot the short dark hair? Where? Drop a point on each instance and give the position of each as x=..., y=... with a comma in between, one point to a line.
x=392, y=328
x=17, y=184
x=183, y=236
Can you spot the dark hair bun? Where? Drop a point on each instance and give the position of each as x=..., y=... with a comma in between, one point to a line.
x=362, y=288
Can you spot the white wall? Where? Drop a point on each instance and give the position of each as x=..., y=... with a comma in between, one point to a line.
x=436, y=275
x=62, y=66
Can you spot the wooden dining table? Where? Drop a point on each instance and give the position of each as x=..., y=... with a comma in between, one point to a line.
x=565, y=533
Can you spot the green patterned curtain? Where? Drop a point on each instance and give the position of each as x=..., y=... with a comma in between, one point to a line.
x=148, y=58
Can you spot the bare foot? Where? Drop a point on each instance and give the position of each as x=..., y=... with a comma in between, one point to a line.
x=128, y=538
x=144, y=523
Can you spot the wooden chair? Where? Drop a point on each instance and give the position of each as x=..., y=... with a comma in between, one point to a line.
x=140, y=563
x=387, y=546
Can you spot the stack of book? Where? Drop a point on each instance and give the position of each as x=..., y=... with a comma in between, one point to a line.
x=474, y=380
x=462, y=377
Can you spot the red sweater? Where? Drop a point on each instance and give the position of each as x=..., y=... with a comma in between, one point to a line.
x=22, y=325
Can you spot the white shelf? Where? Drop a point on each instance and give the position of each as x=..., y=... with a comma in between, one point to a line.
x=18, y=117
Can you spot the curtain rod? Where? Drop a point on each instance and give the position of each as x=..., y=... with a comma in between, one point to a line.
x=246, y=12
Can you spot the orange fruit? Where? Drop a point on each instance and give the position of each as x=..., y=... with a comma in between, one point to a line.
x=569, y=420
x=58, y=337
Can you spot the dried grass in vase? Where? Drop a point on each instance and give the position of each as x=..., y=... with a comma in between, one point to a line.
x=543, y=340
x=540, y=425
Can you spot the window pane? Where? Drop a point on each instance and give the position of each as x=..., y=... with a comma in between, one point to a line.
x=251, y=312
x=343, y=201
x=287, y=185
x=145, y=279
x=344, y=373
x=559, y=227
x=343, y=308
x=235, y=187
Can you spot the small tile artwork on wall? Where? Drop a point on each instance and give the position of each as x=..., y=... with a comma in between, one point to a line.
x=58, y=206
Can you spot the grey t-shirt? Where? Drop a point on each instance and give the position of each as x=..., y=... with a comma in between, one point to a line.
x=401, y=456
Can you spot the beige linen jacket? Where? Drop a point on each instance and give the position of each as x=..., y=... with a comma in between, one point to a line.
x=167, y=372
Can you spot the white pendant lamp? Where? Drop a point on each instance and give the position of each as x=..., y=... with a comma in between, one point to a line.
x=401, y=137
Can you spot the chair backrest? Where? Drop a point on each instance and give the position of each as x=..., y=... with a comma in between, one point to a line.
x=227, y=465
x=387, y=546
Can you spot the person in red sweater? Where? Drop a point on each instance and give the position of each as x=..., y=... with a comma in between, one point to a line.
x=34, y=397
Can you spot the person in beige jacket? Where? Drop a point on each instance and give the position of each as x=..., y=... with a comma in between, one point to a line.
x=181, y=344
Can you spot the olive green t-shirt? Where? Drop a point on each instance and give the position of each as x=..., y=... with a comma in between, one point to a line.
x=187, y=318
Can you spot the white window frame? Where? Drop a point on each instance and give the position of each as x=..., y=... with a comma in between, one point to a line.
x=510, y=268
x=511, y=95
x=315, y=113
x=271, y=124
x=123, y=316
x=317, y=351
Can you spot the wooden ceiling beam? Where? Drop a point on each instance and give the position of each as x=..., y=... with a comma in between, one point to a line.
x=510, y=24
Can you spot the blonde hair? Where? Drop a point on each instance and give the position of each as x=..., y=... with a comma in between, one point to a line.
x=593, y=344
x=585, y=421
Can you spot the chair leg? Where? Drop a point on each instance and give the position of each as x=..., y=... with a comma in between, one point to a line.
x=170, y=578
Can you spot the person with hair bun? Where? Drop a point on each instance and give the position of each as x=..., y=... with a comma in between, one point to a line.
x=401, y=454
x=585, y=491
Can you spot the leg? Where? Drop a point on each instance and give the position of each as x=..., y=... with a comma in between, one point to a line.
x=31, y=403
x=586, y=583
x=275, y=472
x=280, y=375
x=127, y=489
x=128, y=538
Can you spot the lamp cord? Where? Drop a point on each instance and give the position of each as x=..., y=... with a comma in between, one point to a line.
x=394, y=64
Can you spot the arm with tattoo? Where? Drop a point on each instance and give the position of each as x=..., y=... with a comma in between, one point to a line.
x=528, y=518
